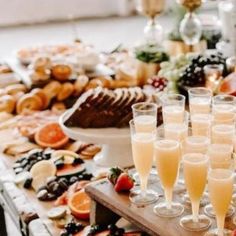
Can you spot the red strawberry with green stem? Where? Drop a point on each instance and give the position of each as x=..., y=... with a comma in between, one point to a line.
x=124, y=183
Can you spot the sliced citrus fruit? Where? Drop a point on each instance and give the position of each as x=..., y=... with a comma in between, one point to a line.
x=79, y=205
x=228, y=85
x=51, y=135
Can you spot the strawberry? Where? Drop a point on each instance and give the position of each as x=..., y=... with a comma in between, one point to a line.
x=234, y=233
x=113, y=174
x=124, y=183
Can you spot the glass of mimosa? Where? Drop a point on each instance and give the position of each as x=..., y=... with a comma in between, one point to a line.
x=167, y=155
x=145, y=116
x=200, y=100
x=173, y=106
x=177, y=131
x=201, y=124
x=143, y=151
x=196, y=144
x=195, y=166
x=220, y=186
x=221, y=157
x=223, y=109
x=223, y=134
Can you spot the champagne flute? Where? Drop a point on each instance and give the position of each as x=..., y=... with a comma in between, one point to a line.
x=167, y=156
x=220, y=156
x=173, y=106
x=200, y=100
x=220, y=181
x=223, y=109
x=145, y=120
x=142, y=150
x=195, y=166
x=145, y=117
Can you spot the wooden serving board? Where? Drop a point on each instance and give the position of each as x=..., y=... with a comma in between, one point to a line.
x=108, y=206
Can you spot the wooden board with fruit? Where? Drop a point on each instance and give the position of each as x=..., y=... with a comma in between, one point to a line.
x=112, y=196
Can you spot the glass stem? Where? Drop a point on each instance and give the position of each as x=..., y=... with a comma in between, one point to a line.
x=168, y=196
x=220, y=225
x=195, y=210
x=143, y=185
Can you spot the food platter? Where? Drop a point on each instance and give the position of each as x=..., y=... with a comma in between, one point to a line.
x=116, y=146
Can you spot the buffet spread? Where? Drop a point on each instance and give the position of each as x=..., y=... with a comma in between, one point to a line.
x=65, y=120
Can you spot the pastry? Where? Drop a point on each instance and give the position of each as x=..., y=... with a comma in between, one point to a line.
x=93, y=84
x=52, y=89
x=39, y=77
x=41, y=64
x=41, y=94
x=29, y=102
x=58, y=106
x=4, y=69
x=106, y=81
x=101, y=108
x=20, y=148
x=18, y=95
x=15, y=88
x=66, y=90
x=4, y=116
x=61, y=72
x=80, y=84
x=7, y=103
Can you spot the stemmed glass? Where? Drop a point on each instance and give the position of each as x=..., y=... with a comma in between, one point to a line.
x=142, y=150
x=200, y=100
x=223, y=109
x=173, y=107
x=195, y=166
x=220, y=181
x=190, y=27
x=153, y=32
x=167, y=157
x=145, y=121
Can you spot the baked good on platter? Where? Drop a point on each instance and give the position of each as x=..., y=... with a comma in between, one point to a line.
x=101, y=108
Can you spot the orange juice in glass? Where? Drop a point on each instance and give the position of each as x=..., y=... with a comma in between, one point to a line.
x=220, y=186
x=142, y=150
x=167, y=157
x=195, y=168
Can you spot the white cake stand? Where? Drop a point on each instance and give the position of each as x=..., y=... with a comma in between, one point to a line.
x=116, y=145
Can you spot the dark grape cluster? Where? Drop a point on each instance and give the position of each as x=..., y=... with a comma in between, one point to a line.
x=193, y=75
x=72, y=228
x=112, y=228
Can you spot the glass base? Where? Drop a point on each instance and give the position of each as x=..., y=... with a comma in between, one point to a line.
x=188, y=224
x=214, y=232
x=141, y=200
x=161, y=210
x=208, y=210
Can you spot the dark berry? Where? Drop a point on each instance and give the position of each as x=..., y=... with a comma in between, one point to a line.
x=27, y=183
x=77, y=161
x=73, y=179
x=87, y=176
x=59, y=164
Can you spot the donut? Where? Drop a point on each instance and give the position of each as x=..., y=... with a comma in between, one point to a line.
x=52, y=89
x=61, y=72
x=7, y=103
x=80, y=84
x=66, y=90
x=29, y=102
x=15, y=88
x=41, y=94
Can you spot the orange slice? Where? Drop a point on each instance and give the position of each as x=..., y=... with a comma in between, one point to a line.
x=79, y=205
x=51, y=135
